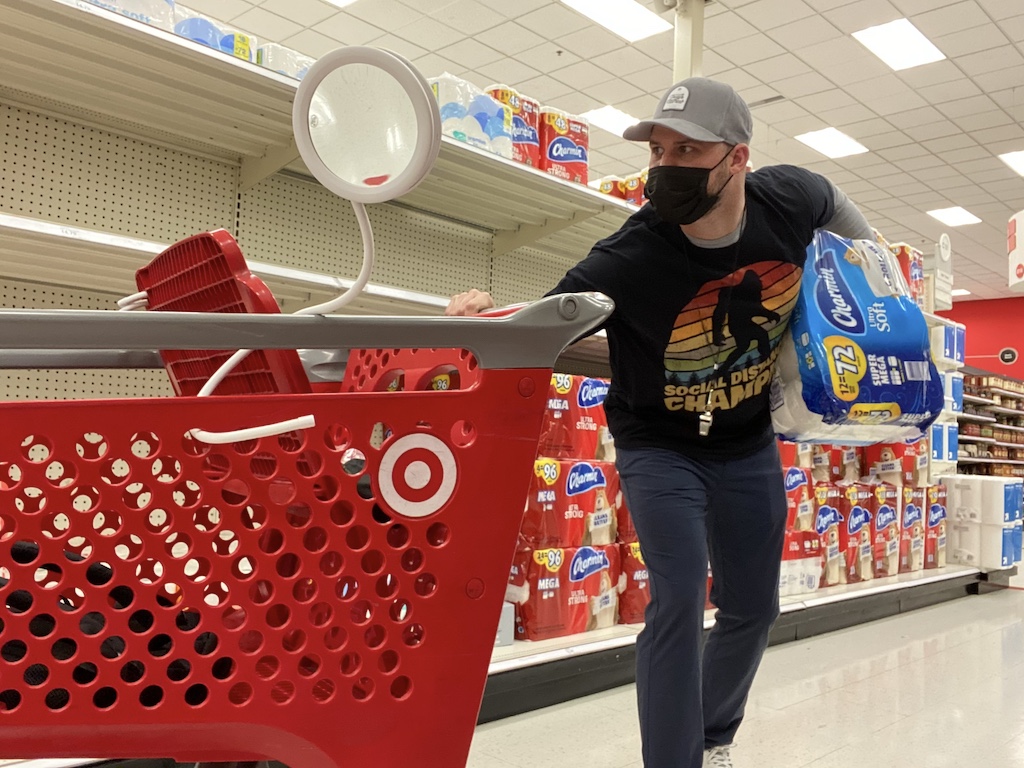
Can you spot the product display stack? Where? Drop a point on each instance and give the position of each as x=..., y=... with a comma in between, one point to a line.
x=572, y=570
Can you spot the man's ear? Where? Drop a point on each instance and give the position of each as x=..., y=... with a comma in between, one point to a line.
x=740, y=158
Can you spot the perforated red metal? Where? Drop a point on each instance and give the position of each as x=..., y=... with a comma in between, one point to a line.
x=307, y=598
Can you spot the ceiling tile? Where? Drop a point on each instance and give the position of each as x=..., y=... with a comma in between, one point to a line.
x=431, y=34
x=864, y=67
x=548, y=57
x=304, y=12
x=267, y=25
x=725, y=28
x=902, y=152
x=386, y=14
x=934, y=130
x=929, y=175
x=311, y=43
x=778, y=68
x=780, y=111
x=970, y=106
x=750, y=49
x=982, y=165
x=507, y=71
x=915, y=117
x=1014, y=28
x=713, y=63
x=641, y=106
x=657, y=78
x=758, y=93
x=221, y=10
x=886, y=140
x=739, y=79
x=852, y=17
x=930, y=74
x=471, y=17
x=614, y=91
x=855, y=113
x=794, y=36
x=591, y=41
x=768, y=14
x=805, y=85
x=989, y=61
x=990, y=136
x=967, y=153
x=582, y=75
x=957, y=89
x=1000, y=9
x=576, y=103
x=982, y=38
x=889, y=105
x=545, y=89
x=825, y=5
x=951, y=18
x=352, y=31
x=910, y=7
x=510, y=38
x=800, y=125
x=1003, y=78
x=919, y=163
x=512, y=10
x=949, y=143
x=660, y=47
x=820, y=102
x=984, y=120
x=624, y=61
x=433, y=65
x=411, y=51
x=553, y=20
x=869, y=128
x=470, y=53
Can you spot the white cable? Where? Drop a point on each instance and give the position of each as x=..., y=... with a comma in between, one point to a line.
x=135, y=298
x=226, y=367
x=252, y=433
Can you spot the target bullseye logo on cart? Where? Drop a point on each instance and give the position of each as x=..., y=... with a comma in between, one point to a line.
x=417, y=475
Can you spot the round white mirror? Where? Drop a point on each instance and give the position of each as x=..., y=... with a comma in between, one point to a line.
x=366, y=124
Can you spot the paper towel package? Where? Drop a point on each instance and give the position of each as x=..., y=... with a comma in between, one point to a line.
x=886, y=530
x=472, y=116
x=525, y=123
x=193, y=26
x=156, y=13
x=796, y=454
x=855, y=367
x=799, y=504
x=564, y=145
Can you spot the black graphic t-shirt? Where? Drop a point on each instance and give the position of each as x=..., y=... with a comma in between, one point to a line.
x=690, y=320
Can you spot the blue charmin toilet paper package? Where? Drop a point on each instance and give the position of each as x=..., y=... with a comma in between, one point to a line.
x=856, y=366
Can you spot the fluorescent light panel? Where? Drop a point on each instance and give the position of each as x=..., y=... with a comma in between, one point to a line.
x=899, y=44
x=1015, y=160
x=954, y=217
x=626, y=18
x=610, y=119
x=959, y=292
x=832, y=143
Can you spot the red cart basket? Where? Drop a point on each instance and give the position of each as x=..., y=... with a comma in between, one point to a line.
x=313, y=596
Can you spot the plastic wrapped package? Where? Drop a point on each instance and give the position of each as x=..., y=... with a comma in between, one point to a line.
x=283, y=60
x=472, y=116
x=855, y=367
x=157, y=13
x=193, y=26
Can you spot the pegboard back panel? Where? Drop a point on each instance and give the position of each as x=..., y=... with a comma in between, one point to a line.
x=527, y=274
x=74, y=174
x=293, y=222
x=63, y=384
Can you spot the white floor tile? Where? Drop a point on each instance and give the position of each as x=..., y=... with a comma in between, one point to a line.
x=933, y=688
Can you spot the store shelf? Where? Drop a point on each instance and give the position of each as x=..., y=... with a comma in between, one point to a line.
x=975, y=417
x=976, y=439
x=981, y=460
x=69, y=56
x=1006, y=393
x=32, y=249
x=521, y=655
x=1011, y=427
x=1005, y=445
x=1008, y=411
x=978, y=400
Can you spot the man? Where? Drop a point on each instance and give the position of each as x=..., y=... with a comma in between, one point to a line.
x=704, y=279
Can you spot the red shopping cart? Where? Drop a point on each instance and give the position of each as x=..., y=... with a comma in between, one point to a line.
x=170, y=587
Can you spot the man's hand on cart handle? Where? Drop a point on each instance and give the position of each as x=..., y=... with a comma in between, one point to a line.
x=471, y=302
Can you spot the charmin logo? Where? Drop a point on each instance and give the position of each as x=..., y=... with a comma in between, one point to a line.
x=936, y=515
x=592, y=393
x=827, y=518
x=859, y=517
x=586, y=562
x=565, y=150
x=523, y=133
x=834, y=298
x=886, y=517
x=584, y=477
x=912, y=514
x=795, y=478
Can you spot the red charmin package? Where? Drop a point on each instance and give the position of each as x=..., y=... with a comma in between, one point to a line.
x=637, y=590
x=570, y=504
x=575, y=426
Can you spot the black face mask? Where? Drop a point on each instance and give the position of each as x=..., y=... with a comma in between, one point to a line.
x=680, y=195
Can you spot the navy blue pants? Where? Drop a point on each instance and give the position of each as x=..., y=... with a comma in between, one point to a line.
x=687, y=513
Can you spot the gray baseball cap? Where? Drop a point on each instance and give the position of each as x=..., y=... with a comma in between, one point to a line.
x=701, y=109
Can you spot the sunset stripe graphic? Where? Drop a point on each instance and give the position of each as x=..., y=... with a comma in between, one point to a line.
x=690, y=350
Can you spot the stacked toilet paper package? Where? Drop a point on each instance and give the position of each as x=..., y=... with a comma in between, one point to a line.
x=629, y=188
x=194, y=26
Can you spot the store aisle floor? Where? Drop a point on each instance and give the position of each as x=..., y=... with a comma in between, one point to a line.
x=939, y=687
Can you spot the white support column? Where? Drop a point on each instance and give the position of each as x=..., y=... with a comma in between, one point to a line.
x=689, y=49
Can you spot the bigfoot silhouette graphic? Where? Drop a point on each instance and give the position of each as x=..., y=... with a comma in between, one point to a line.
x=737, y=307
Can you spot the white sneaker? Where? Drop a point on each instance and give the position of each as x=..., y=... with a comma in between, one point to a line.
x=717, y=757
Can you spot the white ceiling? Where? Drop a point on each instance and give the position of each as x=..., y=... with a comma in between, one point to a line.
x=934, y=131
